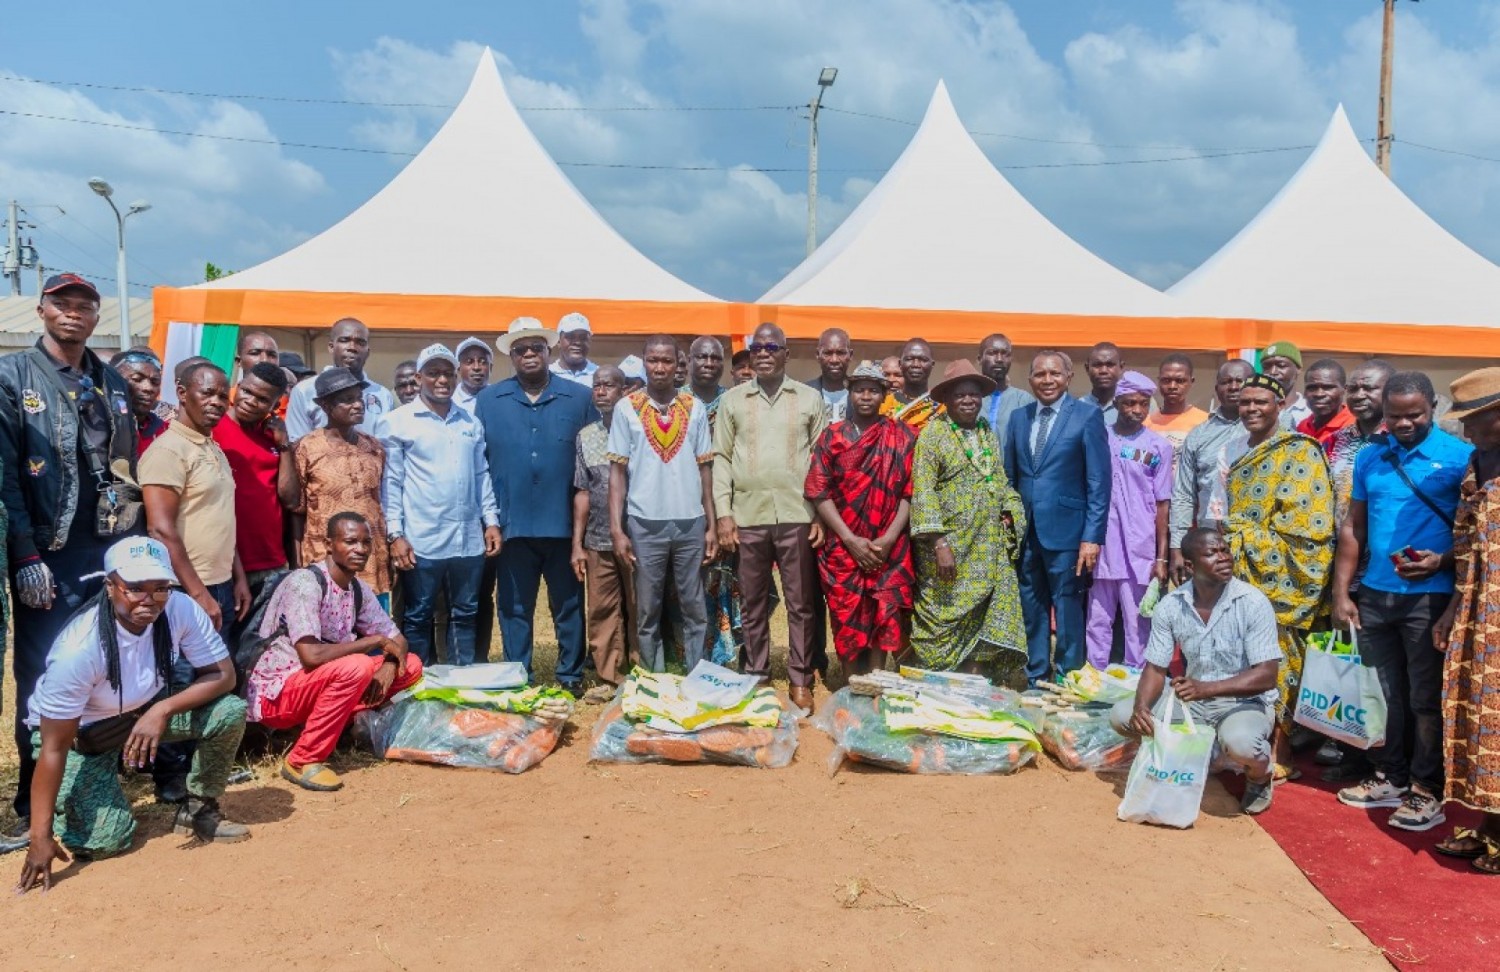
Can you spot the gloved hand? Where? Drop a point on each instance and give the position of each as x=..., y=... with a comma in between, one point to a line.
x=34, y=586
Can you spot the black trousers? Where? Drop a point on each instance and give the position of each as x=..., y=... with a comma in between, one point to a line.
x=1395, y=638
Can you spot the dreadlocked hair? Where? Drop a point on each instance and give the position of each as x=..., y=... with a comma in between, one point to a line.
x=109, y=643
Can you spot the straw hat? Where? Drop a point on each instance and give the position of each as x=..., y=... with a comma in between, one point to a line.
x=1474, y=392
x=961, y=370
x=525, y=327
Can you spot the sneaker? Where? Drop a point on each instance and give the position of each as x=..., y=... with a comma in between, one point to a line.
x=1374, y=791
x=599, y=695
x=201, y=817
x=1257, y=798
x=1329, y=754
x=17, y=837
x=1419, y=811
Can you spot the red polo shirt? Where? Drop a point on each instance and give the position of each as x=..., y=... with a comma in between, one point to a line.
x=1325, y=433
x=254, y=459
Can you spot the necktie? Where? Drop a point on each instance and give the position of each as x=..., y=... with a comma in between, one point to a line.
x=1043, y=424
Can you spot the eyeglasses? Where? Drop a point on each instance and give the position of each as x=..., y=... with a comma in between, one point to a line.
x=138, y=596
x=769, y=347
x=524, y=350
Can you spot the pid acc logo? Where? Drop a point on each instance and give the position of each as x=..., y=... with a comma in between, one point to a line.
x=1334, y=711
x=1170, y=777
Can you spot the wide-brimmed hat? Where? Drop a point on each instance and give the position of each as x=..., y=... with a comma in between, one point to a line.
x=868, y=371
x=331, y=381
x=1474, y=392
x=525, y=327
x=961, y=370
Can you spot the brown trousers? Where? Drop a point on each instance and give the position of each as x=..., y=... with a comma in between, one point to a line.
x=611, y=614
x=787, y=546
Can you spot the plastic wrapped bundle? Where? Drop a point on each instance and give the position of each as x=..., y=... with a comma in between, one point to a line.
x=862, y=731
x=413, y=729
x=1114, y=684
x=618, y=739
x=1084, y=739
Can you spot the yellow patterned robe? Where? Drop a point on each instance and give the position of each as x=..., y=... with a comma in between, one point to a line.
x=1280, y=530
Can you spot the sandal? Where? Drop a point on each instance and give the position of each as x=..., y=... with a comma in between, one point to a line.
x=1488, y=863
x=313, y=776
x=1284, y=773
x=1476, y=844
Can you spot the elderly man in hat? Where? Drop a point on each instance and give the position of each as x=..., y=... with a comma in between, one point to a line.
x=531, y=424
x=1135, y=543
x=574, y=335
x=475, y=362
x=860, y=484
x=340, y=469
x=1282, y=360
x=66, y=429
x=440, y=512
x=349, y=348
x=967, y=524
x=1057, y=456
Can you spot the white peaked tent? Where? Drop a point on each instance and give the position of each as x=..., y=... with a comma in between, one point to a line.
x=1341, y=259
x=479, y=228
x=945, y=241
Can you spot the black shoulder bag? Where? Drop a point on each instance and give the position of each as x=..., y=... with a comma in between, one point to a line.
x=1417, y=492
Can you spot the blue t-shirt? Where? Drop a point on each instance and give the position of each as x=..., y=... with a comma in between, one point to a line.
x=1395, y=518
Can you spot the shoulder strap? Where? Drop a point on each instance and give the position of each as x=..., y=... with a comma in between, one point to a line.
x=1390, y=457
x=358, y=588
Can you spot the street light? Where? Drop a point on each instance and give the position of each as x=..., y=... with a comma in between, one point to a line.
x=107, y=191
x=825, y=81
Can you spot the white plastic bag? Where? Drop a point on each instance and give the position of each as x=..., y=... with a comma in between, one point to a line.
x=1341, y=698
x=716, y=686
x=1170, y=771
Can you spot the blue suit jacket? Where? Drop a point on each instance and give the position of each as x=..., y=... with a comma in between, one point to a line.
x=1066, y=494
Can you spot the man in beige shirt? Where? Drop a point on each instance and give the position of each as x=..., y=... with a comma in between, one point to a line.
x=188, y=489
x=763, y=442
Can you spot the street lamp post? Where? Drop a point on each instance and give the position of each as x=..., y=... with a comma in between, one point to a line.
x=825, y=81
x=107, y=191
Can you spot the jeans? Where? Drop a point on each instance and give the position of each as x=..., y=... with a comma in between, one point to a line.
x=1048, y=583
x=1395, y=639
x=522, y=564
x=458, y=577
x=665, y=547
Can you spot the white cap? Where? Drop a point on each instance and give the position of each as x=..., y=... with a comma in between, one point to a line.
x=473, y=342
x=573, y=322
x=633, y=368
x=435, y=352
x=524, y=327
x=138, y=559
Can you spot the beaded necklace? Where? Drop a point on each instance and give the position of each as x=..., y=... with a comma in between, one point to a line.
x=986, y=462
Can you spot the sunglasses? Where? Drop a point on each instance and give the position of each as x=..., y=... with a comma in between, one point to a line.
x=523, y=350
x=769, y=347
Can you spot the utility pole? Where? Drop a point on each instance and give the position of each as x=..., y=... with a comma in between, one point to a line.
x=1383, y=135
x=825, y=81
x=17, y=256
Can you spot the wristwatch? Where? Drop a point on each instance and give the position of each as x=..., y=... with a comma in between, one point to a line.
x=393, y=537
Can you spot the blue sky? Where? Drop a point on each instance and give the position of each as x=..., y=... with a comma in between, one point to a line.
x=1194, y=74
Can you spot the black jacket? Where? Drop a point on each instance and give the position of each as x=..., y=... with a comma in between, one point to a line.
x=42, y=488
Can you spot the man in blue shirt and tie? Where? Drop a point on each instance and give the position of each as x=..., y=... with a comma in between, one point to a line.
x=531, y=425
x=1057, y=458
x=440, y=512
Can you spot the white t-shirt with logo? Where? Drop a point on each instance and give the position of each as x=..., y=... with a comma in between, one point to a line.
x=76, y=682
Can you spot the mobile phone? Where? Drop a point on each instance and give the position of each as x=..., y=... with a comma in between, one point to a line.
x=1411, y=554
x=1397, y=560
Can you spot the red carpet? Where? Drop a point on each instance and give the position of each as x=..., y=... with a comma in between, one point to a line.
x=1426, y=911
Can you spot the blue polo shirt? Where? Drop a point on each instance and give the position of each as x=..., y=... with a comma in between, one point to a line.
x=1395, y=518
x=530, y=447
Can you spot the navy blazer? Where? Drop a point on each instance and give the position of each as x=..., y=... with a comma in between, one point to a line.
x=1066, y=495
x=531, y=449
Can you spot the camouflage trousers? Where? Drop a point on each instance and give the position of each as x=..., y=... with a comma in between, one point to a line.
x=92, y=813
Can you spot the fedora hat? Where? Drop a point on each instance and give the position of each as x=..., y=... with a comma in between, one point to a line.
x=961, y=370
x=525, y=327
x=1474, y=392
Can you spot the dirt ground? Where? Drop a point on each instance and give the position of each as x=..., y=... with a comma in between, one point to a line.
x=573, y=865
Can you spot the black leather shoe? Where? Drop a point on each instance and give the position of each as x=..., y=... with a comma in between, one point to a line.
x=173, y=789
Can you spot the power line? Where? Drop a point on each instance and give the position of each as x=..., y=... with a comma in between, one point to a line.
x=1434, y=148
x=285, y=99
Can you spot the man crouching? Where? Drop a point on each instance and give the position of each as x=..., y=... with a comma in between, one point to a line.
x=332, y=651
x=1227, y=631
